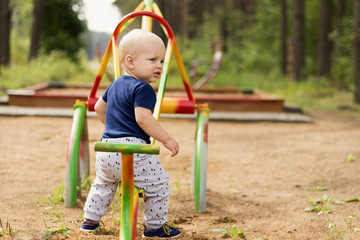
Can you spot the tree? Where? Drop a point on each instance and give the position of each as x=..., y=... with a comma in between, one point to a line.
x=299, y=39
x=341, y=6
x=325, y=44
x=196, y=17
x=248, y=8
x=5, y=16
x=356, y=9
x=39, y=6
x=183, y=12
x=61, y=28
x=283, y=14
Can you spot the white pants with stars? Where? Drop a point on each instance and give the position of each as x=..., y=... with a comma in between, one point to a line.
x=148, y=175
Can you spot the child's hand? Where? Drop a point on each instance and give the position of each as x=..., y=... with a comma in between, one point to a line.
x=172, y=145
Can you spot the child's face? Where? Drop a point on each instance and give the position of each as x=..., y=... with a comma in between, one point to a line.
x=148, y=62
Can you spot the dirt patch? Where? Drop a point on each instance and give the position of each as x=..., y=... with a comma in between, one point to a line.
x=261, y=177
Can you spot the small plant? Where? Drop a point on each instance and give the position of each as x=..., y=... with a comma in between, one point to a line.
x=116, y=203
x=231, y=231
x=316, y=207
x=102, y=230
x=50, y=231
x=117, y=221
x=58, y=196
x=321, y=188
x=178, y=183
x=85, y=182
x=350, y=157
x=338, y=234
x=7, y=230
x=50, y=202
x=354, y=199
x=178, y=180
x=316, y=204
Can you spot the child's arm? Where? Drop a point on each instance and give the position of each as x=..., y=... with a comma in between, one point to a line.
x=100, y=109
x=148, y=123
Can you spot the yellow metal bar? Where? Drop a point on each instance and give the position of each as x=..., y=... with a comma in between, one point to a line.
x=157, y=11
x=146, y=23
x=182, y=71
x=140, y=7
x=116, y=61
x=161, y=89
x=105, y=59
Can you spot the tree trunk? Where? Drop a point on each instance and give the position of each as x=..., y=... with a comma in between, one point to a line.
x=248, y=7
x=299, y=39
x=283, y=36
x=5, y=16
x=340, y=12
x=196, y=10
x=183, y=18
x=39, y=6
x=356, y=8
x=325, y=44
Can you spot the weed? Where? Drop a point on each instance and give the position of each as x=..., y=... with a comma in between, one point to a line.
x=178, y=183
x=7, y=230
x=317, y=204
x=117, y=221
x=178, y=180
x=59, y=216
x=116, y=203
x=350, y=157
x=316, y=207
x=231, y=231
x=321, y=188
x=50, y=231
x=338, y=234
x=58, y=196
x=50, y=202
x=85, y=182
x=354, y=199
x=102, y=230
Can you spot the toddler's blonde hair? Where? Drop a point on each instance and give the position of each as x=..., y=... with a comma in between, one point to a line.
x=134, y=41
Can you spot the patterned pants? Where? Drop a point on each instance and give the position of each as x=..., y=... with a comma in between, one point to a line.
x=148, y=175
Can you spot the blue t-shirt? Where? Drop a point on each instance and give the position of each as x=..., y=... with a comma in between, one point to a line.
x=122, y=96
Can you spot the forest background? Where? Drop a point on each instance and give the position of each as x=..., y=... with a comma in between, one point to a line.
x=306, y=51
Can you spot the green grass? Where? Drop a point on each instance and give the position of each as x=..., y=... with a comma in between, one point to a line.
x=51, y=231
x=7, y=230
x=53, y=68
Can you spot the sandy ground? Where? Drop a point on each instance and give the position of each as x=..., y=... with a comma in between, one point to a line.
x=261, y=177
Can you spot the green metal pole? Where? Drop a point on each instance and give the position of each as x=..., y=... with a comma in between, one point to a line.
x=127, y=148
x=200, y=161
x=71, y=180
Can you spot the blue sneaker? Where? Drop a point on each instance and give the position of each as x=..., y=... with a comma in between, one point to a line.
x=89, y=225
x=168, y=230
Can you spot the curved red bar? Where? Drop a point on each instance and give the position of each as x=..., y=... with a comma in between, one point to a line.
x=92, y=96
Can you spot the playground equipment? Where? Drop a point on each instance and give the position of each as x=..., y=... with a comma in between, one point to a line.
x=214, y=68
x=129, y=193
x=77, y=158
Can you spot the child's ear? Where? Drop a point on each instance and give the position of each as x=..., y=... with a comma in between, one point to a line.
x=129, y=61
